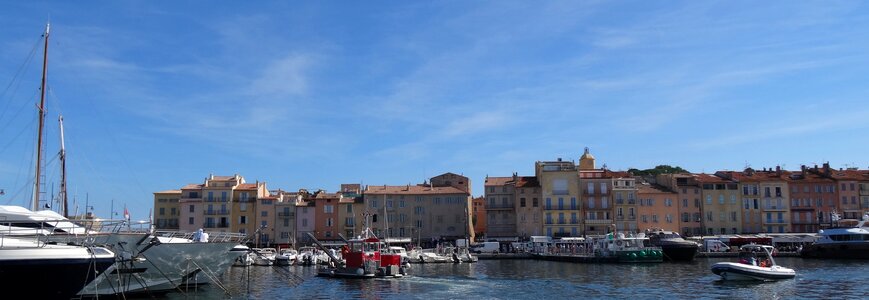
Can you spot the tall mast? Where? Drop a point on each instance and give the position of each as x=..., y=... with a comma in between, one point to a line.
x=41, y=123
x=63, y=171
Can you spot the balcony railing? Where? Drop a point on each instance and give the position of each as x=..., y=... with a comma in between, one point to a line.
x=216, y=199
x=216, y=225
x=599, y=221
x=500, y=206
x=216, y=212
x=285, y=214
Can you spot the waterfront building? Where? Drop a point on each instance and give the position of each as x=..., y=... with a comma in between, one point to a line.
x=285, y=225
x=166, y=210
x=350, y=222
x=529, y=212
x=864, y=191
x=720, y=205
x=326, y=215
x=305, y=218
x=243, y=215
x=690, y=218
x=812, y=198
x=657, y=207
x=437, y=210
x=198, y=203
x=624, y=191
x=848, y=192
x=500, y=207
x=265, y=218
x=559, y=185
x=479, y=216
x=748, y=184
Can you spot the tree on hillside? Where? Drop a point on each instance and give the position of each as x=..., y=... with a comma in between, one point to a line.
x=660, y=169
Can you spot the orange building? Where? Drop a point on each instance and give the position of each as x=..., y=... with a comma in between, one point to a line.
x=479, y=216
x=326, y=225
x=658, y=208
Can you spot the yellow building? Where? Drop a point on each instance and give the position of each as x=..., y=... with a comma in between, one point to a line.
x=166, y=210
x=559, y=185
x=720, y=206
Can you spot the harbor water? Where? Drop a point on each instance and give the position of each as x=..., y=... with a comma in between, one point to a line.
x=533, y=279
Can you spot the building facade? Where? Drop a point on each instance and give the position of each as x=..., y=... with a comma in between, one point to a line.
x=657, y=208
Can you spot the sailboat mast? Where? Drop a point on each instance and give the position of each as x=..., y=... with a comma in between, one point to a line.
x=41, y=123
x=63, y=171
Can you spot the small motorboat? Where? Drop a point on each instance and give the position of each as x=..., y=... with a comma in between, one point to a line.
x=755, y=263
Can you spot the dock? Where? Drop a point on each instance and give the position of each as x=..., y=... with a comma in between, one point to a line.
x=482, y=256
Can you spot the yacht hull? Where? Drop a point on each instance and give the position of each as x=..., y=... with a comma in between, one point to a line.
x=679, y=252
x=24, y=274
x=837, y=251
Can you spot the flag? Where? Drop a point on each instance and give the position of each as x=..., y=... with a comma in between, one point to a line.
x=126, y=214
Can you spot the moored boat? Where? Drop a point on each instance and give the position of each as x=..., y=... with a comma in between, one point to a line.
x=756, y=263
x=849, y=239
x=674, y=247
x=365, y=257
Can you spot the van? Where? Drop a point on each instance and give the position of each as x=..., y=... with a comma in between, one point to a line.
x=712, y=245
x=487, y=247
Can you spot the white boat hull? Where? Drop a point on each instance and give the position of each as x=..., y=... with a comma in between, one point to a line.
x=739, y=271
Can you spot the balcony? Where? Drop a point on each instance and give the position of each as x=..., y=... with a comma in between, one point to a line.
x=216, y=212
x=246, y=200
x=216, y=199
x=500, y=207
x=286, y=214
x=602, y=221
x=777, y=221
x=216, y=225
x=804, y=222
x=775, y=207
x=620, y=218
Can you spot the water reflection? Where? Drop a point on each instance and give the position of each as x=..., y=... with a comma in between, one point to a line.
x=530, y=279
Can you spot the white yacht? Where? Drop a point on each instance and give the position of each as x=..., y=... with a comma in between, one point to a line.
x=756, y=263
x=264, y=256
x=848, y=240
x=24, y=260
x=145, y=262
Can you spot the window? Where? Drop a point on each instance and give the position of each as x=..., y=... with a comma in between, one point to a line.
x=327, y=209
x=242, y=206
x=548, y=203
x=329, y=222
x=669, y=218
x=401, y=203
x=521, y=202
x=560, y=203
x=304, y=222
x=534, y=202
x=591, y=188
x=190, y=221
x=243, y=220
x=559, y=187
x=191, y=209
x=668, y=202
x=374, y=203
x=603, y=187
x=163, y=210
x=709, y=199
x=591, y=202
x=733, y=199
x=264, y=224
x=684, y=202
x=573, y=203
x=708, y=216
x=720, y=199
x=388, y=203
x=264, y=213
x=604, y=202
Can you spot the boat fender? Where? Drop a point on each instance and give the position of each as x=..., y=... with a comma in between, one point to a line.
x=619, y=243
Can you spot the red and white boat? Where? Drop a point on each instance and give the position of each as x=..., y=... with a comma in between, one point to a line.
x=365, y=257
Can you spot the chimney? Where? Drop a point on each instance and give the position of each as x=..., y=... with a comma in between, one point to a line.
x=778, y=170
x=827, y=168
x=515, y=176
x=803, y=169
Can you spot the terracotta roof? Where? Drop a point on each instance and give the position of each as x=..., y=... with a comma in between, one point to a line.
x=411, y=190
x=617, y=174
x=527, y=181
x=169, y=192
x=849, y=174
x=757, y=176
x=328, y=195
x=222, y=178
x=708, y=178
x=497, y=181
x=246, y=186
x=192, y=186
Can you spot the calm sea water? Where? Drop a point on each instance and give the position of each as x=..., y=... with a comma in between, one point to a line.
x=532, y=279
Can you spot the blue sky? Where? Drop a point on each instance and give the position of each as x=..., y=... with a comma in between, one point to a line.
x=158, y=94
